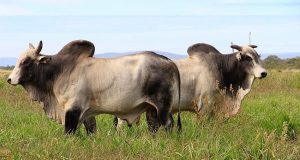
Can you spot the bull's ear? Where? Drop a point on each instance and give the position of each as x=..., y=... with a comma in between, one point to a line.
x=252, y=46
x=31, y=46
x=237, y=47
x=43, y=59
x=239, y=56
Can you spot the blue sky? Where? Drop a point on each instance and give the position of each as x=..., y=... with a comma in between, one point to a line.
x=166, y=25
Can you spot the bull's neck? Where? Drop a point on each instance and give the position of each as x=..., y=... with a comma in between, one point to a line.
x=44, y=76
x=231, y=72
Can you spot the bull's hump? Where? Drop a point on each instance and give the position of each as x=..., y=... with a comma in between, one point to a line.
x=78, y=48
x=154, y=54
x=202, y=48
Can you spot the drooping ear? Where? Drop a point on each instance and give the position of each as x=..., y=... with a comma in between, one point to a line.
x=31, y=46
x=239, y=56
x=237, y=47
x=252, y=46
x=39, y=48
x=43, y=59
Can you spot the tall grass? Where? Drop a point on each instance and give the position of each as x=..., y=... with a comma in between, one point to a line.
x=267, y=127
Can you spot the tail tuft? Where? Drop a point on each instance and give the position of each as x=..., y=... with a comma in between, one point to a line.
x=179, y=126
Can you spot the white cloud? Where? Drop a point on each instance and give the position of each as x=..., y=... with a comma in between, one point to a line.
x=233, y=10
x=257, y=2
x=13, y=10
x=42, y=1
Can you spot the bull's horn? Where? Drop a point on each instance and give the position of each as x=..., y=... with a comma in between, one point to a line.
x=237, y=47
x=39, y=48
x=252, y=46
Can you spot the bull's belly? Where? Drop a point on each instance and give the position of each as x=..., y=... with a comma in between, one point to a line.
x=184, y=107
x=186, y=104
x=128, y=109
x=194, y=103
x=131, y=116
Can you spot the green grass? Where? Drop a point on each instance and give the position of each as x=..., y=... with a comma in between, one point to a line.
x=267, y=127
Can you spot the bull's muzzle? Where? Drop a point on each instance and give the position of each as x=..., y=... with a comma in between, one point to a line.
x=263, y=74
x=9, y=80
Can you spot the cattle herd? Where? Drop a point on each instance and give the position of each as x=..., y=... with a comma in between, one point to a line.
x=74, y=87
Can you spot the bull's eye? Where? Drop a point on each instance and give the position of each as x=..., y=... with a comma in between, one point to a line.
x=248, y=58
x=26, y=61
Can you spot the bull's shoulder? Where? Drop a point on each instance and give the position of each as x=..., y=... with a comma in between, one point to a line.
x=78, y=48
x=202, y=48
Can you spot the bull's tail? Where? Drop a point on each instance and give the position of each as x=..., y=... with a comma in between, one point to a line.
x=179, y=125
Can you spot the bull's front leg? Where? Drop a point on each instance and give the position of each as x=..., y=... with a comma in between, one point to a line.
x=117, y=123
x=90, y=125
x=72, y=119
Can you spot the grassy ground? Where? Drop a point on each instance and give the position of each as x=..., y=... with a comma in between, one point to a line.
x=268, y=127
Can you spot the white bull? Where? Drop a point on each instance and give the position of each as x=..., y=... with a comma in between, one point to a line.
x=74, y=86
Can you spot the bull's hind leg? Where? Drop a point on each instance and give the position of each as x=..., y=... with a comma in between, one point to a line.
x=171, y=124
x=90, y=125
x=71, y=120
x=152, y=120
x=159, y=113
x=163, y=103
x=158, y=89
x=165, y=118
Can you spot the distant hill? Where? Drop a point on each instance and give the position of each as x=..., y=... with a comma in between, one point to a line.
x=167, y=54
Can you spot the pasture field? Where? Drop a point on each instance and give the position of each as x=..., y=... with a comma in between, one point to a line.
x=267, y=127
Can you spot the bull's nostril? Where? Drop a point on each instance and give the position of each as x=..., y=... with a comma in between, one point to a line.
x=9, y=80
x=264, y=74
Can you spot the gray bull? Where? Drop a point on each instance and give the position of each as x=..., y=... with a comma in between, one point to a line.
x=211, y=81
x=74, y=86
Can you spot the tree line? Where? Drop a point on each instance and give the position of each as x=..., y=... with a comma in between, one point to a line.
x=8, y=67
x=274, y=62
